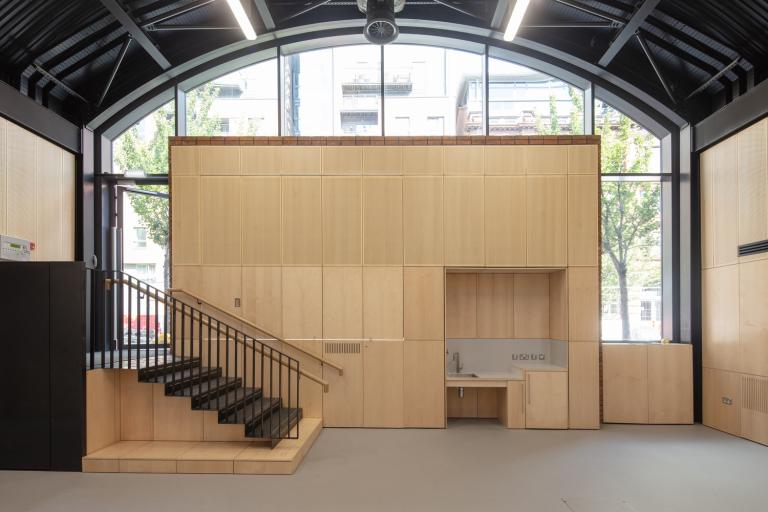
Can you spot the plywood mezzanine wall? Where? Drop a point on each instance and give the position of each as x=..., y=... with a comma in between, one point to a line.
x=329, y=240
x=37, y=193
x=734, y=211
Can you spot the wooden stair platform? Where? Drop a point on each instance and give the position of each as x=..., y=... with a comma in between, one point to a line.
x=194, y=457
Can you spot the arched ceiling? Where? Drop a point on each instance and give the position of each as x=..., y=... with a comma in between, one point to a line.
x=693, y=56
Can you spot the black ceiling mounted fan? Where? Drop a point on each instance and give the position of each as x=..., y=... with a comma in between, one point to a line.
x=380, y=25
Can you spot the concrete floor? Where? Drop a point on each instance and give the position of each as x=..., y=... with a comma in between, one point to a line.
x=471, y=466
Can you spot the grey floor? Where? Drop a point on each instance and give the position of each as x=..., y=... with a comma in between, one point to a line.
x=470, y=466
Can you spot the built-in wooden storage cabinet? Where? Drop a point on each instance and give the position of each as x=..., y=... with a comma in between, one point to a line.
x=546, y=399
x=342, y=247
x=734, y=211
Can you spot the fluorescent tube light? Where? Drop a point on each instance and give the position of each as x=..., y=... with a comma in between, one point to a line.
x=515, y=19
x=242, y=19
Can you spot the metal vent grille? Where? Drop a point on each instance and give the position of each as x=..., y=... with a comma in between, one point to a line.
x=753, y=248
x=754, y=394
x=342, y=347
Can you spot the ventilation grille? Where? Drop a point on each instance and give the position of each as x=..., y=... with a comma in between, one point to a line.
x=753, y=248
x=754, y=394
x=338, y=347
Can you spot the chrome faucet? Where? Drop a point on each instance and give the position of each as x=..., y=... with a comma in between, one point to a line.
x=457, y=360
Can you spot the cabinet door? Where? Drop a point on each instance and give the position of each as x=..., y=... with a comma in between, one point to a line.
x=512, y=404
x=343, y=404
x=424, y=393
x=383, y=384
x=722, y=400
x=463, y=214
x=625, y=383
x=546, y=404
x=583, y=384
x=220, y=220
x=753, y=184
x=546, y=221
x=670, y=384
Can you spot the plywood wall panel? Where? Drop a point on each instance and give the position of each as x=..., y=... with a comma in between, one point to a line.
x=261, y=159
x=260, y=199
x=670, y=384
x=584, y=384
x=583, y=159
x=558, y=305
x=725, y=196
x=382, y=220
x=220, y=221
x=20, y=183
x=584, y=303
x=753, y=321
x=753, y=183
x=722, y=400
x=546, y=221
x=342, y=221
x=625, y=383
x=720, y=317
x=342, y=302
x=583, y=214
x=222, y=285
x=383, y=384
x=48, y=201
x=505, y=225
x=464, y=221
x=495, y=306
x=263, y=297
x=423, y=306
x=464, y=160
x=219, y=160
x=185, y=220
x=504, y=160
x=185, y=161
x=383, y=160
x=426, y=160
x=383, y=302
x=302, y=302
x=342, y=159
x=531, y=298
x=707, y=209
x=423, y=220
x=302, y=221
x=301, y=159
x=343, y=404
x=68, y=198
x=546, y=160
x=461, y=305
x=424, y=384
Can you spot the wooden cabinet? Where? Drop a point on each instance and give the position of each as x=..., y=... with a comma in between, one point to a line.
x=722, y=400
x=753, y=183
x=424, y=384
x=625, y=383
x=342, y=221
x=464, y=218
x=546, y=404
x=342, y=302
x=531, y=299
x=461, y=305
x=505, y=243
x=584, y=384
x=583, y=236
x=546, y=220
x=423, y=307
x=383, y=384
x=423, y=220
x=302, y=225
x=583, y=303
x=382, y=220
x=670, y=384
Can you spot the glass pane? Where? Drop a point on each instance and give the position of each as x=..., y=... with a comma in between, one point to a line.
x=631, y=261
x=143, y=148
x=522, y=101
x=432, y=91
x=240, y=103
x=627, y=147
x=335, y=91
x=145, y=256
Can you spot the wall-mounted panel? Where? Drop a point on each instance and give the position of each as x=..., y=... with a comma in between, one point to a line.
x=546, y=221
x=382, y=220
x=383, y=302
x=423, y=384
x=670, y=384
x=423, y=308
x=185, y=220
x=463, y=160
x=423, y=220
x=342, y=221
x=546, y=160
x=464, y=221
x=583, y=159
x=722, y=400
x=725, y=196
x=531, y=298
x=753, y=321
x=219, y=160
x=426, y=160
x=302, y=302
x=461, y=305
x=383, y=384
x=505, y=227
x=185, y=161
x=3, y=172
x=495, y=305
x=625, y=383
x=260, y=199
x=263, y=297
x=302, y=221
x=753, y=183
x=584, y=384
x=342, y=159
x=706, y=193
x=342, y=302
x=583, y=303
x=20, y=183
x=220, y=221
x=301, y=159
x=48, y=201
x=504, y=160
x=720, y=317
x=343, y=406
x=383, y=160
x=261, y=159
x=69, y=197
x=583, y=232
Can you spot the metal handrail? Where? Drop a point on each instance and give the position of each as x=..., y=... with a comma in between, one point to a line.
x=244, y=342
x=247, y=322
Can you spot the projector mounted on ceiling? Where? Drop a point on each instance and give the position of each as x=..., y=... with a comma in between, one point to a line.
x=380, y=25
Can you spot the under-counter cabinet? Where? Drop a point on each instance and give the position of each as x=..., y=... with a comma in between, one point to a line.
x=546, y=399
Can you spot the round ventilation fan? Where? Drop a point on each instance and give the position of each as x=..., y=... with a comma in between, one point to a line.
x=380, y=25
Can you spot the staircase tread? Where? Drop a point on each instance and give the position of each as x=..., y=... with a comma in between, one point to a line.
x=228, y=399
x=194, y=388
x=278, y=425
x=182, y=375
x=253, y=412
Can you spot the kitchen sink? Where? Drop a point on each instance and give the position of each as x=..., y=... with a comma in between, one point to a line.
x=462, y=375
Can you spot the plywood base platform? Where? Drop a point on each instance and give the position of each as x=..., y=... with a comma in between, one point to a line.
x=245, y=458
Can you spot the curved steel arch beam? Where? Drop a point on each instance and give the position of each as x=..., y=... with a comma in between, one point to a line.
x=121, y=111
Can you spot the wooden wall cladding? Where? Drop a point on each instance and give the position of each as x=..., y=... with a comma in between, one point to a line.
x=37, y=193
x=734, y=211
x=340, y=242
